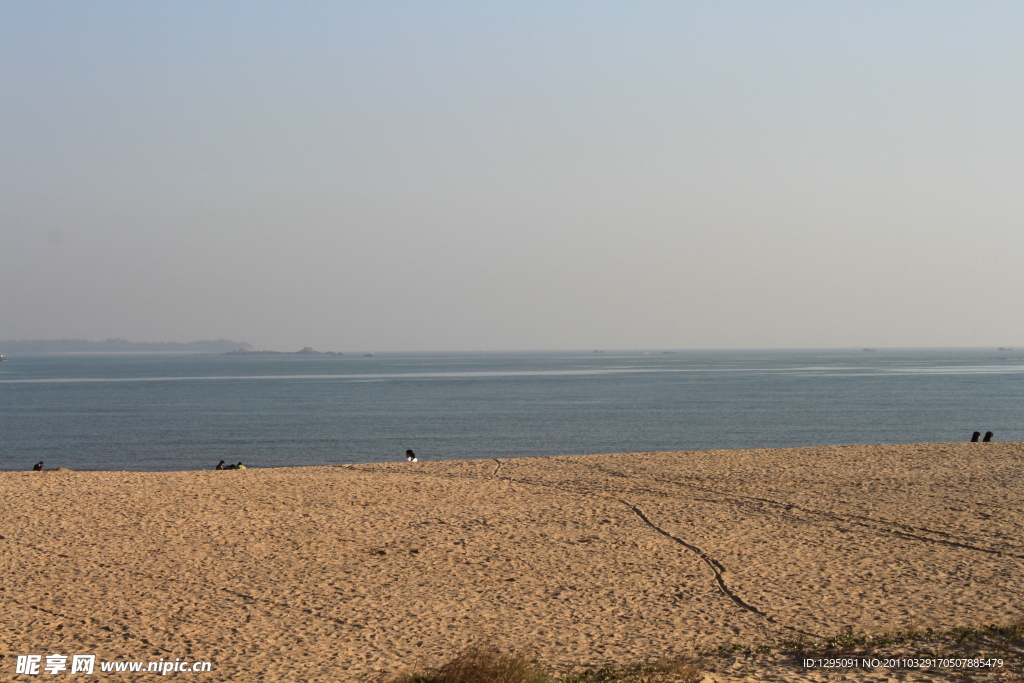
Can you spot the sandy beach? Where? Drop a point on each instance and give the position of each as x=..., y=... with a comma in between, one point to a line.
x=344, y=573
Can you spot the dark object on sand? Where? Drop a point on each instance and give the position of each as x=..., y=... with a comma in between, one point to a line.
x=38, y=467
x=988, y=437
x=220, y=465
x=975, y=436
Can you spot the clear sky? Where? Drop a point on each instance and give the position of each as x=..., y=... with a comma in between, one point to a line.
x=375, y=176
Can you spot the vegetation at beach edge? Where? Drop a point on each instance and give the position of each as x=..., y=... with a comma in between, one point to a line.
x=487, y=664
x=1007, y=638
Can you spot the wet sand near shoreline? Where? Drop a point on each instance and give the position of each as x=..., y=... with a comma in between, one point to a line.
x=341, y=573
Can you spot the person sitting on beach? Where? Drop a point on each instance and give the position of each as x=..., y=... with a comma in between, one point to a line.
x=410, y=456
x=231, y=467
x=239, y=466
x=38, y=467
x=988, y=437
x=220, y=465
x=975, y=436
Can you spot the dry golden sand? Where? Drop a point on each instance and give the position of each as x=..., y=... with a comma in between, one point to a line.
x=339, y=573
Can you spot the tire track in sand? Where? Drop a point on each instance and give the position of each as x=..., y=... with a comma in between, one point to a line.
x=718, y=570
x=711, y=562
x=877, y=525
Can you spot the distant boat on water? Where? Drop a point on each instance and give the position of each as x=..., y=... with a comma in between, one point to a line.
x=1001, y=348
x=2, y=358
x=867, y=349
x=368, y=355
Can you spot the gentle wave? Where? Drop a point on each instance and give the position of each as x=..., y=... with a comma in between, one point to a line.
x=182, y=412
x=381, y=377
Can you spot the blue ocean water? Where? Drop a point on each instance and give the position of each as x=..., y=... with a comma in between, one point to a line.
x=181, y=412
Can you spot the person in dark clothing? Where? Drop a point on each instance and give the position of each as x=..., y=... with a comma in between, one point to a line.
x=220, y=465
x=988, y=437
x=975, y=437
x=410, y=456
x=38, y=467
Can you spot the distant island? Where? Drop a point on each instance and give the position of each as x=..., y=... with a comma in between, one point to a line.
x=305, y=350
x=11, y=346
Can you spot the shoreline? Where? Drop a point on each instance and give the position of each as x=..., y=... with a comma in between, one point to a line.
x=345, y=572
x=398, y=461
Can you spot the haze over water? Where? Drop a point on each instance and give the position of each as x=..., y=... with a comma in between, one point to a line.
x=559, y=175
x=180, y=412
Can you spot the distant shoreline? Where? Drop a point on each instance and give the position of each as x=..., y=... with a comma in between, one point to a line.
x=34, y=346
x=209, y=347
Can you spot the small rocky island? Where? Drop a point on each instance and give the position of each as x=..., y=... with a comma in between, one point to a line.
x=306, y=350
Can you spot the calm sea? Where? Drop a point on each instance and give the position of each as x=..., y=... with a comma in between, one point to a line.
x=181, y=412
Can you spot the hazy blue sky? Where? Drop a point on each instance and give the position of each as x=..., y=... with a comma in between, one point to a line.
x=430, y=176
